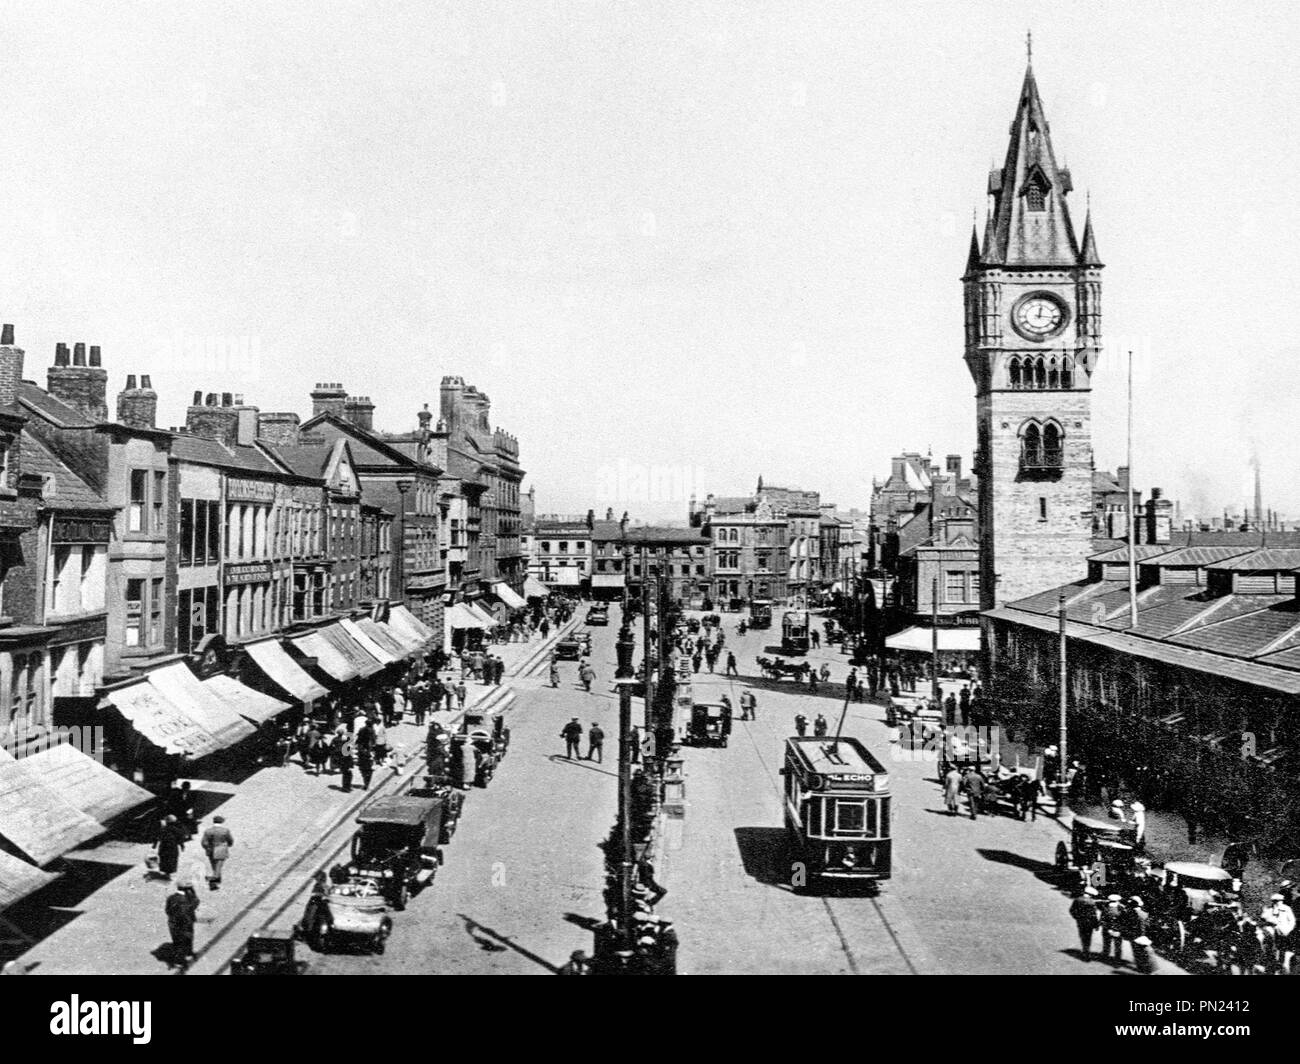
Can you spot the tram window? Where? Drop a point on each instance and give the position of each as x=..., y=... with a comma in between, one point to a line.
x=873, y=820
x=814, y=826
x=850, y=817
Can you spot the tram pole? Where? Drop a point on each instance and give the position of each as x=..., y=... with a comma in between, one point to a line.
x=626, y=861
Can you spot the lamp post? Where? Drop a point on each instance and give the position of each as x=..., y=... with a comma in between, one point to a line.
x=626, y=858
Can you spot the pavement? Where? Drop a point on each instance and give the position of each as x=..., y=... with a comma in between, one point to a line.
x=105, y=915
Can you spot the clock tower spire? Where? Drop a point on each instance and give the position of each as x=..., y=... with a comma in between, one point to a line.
x=1033, y=337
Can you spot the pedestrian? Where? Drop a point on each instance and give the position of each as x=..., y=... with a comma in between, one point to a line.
x=437, y=692
x=748, y=705
x=974, y=784
x=171, y=840
x=578, y=963
x=365, y=764
x=180, y=804
x=800, y=724
x=812, y=679
x=821, y=726
x=320, y=751
x=963, y=703
x=1112, y=929
x=635, y=742
x=460, y=692
x=216, y=843
x=825, y=673
x=469, y=761
x=851, y=683
x=347, y=759
x=586, y=674
x=380, y=743
x=1139, y=824
x=181, y=909
x=950, y=709
x=572, y=736
x=545, y=627
x=1083, y=911
x=952, y=789
x=646, y=875
x=816, y=639
x=732, y=670
x=596, y=743
x=695, y=661
x=555, y=673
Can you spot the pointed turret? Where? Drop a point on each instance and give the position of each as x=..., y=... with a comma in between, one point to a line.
x=1088, y=256
x=1031, y=221
x=973, y=256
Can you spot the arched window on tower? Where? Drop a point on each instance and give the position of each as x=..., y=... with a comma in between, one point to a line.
x=1031, y=447
x=1067, y=373
x=1040, y=373
x=1053, y=375
x=1013, y=373
x=1053, y=455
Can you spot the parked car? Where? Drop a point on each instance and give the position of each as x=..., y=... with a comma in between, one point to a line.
x=397, y=845
x=598, y=615
x=268, y=952
x=346, y=911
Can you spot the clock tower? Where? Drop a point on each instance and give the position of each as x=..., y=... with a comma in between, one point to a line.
x=1033, y=338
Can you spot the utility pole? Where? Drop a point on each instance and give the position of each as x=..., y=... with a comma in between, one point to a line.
x=626, y=861
x=646, y=645
x=1065, y=698
x=1132, y=515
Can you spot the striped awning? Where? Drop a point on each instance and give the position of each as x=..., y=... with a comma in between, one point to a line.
x=35, y=819
x=283, y=671
x=534, y=588
x=184, y=690
x=508, y=595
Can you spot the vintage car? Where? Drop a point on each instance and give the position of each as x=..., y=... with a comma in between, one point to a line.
x=904, y=708
x=488, y=757
x=268, y=952
x=1194, y=911
x=598, y=615
x=1102, y=852
x=709, y=724
x=568, y=649
x=346, y=911
x=494, y=725
x=397, y=844
x=453, y=802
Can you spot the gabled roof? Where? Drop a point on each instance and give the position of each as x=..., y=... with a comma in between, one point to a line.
x=1141, y=552
x=1194, y=557
x=1267, y=559
x=368, y=450
x=315, y=461
x=67, y=491
x=1019, y=236
x=203, y=451
x=56, y=411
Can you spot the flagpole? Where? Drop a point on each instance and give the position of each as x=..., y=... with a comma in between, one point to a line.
x=1132, y=515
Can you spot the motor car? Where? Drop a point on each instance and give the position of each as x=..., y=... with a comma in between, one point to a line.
x=268, y=952
x=710, y=724
x=598, y=615
x=346, y=912
x=568, y=649
x=397, y=844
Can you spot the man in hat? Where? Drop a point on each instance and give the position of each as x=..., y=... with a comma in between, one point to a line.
x=216, y=843
x=578, y=964
x=181, y=909
x=596, y=743
x=1278, y=920
x=571, y=733
x=1117, y=811
x=1083, y=911
x=1139, y=823
x=1112, y=929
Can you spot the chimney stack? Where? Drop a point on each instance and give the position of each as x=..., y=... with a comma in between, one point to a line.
x=360, y=411
x=81, y=386
x=137, y=406
x=218, y=418
x=278, y=428
x=424, y=417
x=328, y=399
x=11, y=368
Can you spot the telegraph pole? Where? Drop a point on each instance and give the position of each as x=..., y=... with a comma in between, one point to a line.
x=626, y=860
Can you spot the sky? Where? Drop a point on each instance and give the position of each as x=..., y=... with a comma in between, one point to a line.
x=679, y=245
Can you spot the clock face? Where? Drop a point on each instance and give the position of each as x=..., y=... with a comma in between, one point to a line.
x=1038, y=316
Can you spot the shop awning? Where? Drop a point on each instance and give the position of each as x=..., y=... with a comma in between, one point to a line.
x=564, y=577
x=90, y=785
x=402, y=619
x=183, y=689
x=34, y=818
x=534, y=588
x=284, y=672
x=18, y=879
x=385, y=637
x=508, y=595
x=607, y=580
x=328, y=659
x=366, y=664
x=249, y=704
x=966, y=640
x=482, y=614
x=161, y=723
x=371, y=646
x=461, y=616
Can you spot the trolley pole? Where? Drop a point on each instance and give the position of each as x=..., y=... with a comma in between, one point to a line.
x=626, y=862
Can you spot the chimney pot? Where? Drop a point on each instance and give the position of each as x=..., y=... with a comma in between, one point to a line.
x=7, y=335
x=227, y=399
x=239, y=399
x=198, y=399
x=60, y=354
x=130, y=382
x=79, y=354
x=94, y=356
x=145, y=382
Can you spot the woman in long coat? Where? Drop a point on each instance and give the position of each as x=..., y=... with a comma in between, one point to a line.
x=171, y=840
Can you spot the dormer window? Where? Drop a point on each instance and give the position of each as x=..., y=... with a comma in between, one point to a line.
x=1036, y=197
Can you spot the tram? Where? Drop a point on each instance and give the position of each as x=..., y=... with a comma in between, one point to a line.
x=836, y=811
x=794, y=632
